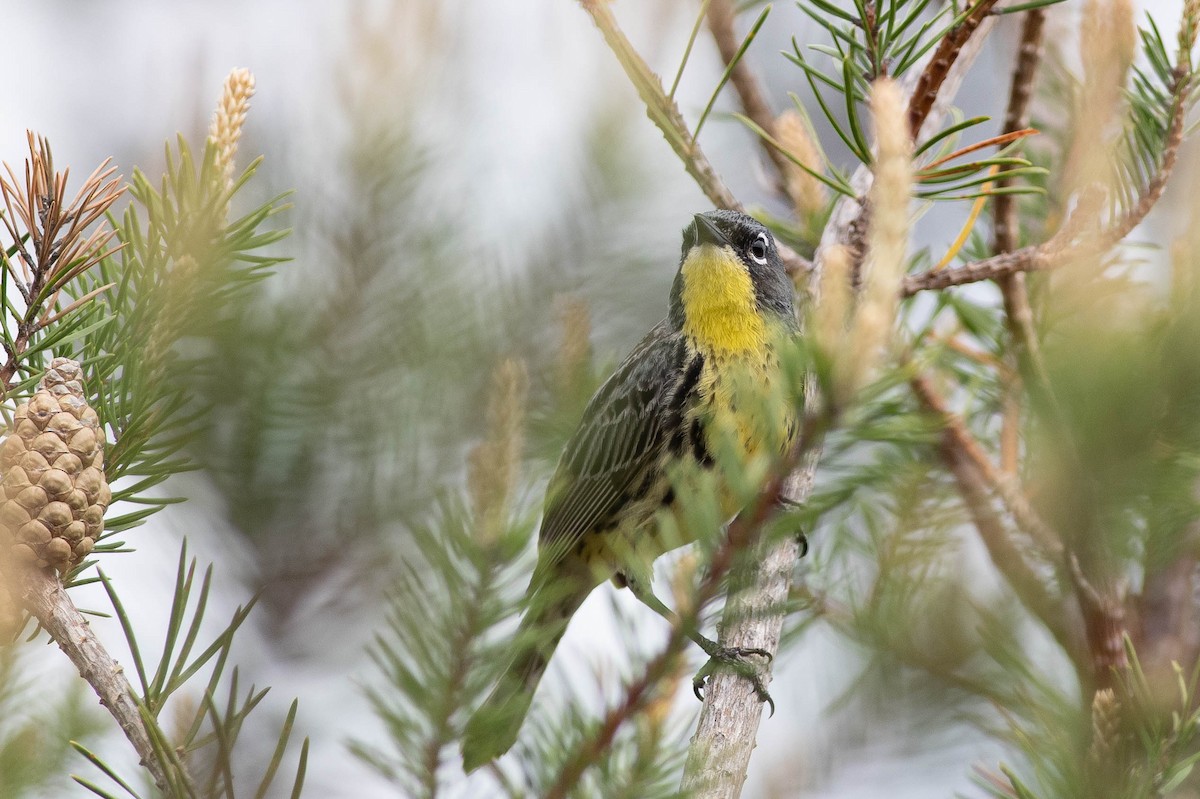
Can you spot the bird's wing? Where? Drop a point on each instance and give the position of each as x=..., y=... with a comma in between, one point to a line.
x=619, y=442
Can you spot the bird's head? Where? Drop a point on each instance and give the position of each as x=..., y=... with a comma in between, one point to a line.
x=731, y=285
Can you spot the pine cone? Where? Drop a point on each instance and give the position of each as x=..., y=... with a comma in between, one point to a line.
x=53, y=494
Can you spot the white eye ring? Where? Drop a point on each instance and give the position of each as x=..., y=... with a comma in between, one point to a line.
x=758, y=250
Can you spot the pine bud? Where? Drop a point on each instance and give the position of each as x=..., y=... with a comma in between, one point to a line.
x=887, y=238
x=225, y=131
x=1106, y=725
x=575, y=348
x=808, y=194
x=54, y=492
x=493, y=465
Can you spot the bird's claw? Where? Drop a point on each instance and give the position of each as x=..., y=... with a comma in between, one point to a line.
x=735, y=659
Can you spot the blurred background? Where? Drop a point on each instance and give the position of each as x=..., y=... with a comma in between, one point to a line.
x=465, y=176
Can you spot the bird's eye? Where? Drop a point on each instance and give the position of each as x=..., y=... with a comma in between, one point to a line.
x=758, y=250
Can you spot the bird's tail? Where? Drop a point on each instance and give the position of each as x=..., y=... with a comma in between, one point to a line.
x=492, y=729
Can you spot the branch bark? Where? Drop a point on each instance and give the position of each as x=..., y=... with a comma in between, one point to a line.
x=1005, y=226
x=939, y=67
x=727, y=730
x=45, y=598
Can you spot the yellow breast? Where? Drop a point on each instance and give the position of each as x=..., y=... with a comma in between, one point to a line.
x=742, y=399
x=721, y=315
x=740, y=389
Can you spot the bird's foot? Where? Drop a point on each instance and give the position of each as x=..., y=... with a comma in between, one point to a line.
x=738, y=660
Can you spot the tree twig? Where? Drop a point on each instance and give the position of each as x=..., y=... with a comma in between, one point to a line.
x=47, y=601
x=721, y=15
x=938, y=67
x=1062, y=247
x=977, y=481
x=1005, y=226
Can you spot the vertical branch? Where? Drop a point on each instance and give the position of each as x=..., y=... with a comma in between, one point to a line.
x=727, y=731
x=1006, y=235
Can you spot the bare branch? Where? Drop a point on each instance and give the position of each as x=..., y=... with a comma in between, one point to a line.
x=938, y=68
x=977, y=480
x=1017, y=312
x=663, y=111
x=721, y=15
x=45, y=598
x=1027, y=259
x=1029, y=57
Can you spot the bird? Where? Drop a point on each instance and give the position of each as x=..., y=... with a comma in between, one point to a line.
x=731, y=308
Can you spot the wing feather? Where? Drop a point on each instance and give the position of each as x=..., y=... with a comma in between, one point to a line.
x=619, y=441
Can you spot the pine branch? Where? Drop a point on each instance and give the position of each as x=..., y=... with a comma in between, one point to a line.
x=977, y=481
x=46, y=599
x=849, y=220
x=1032, y=258
x=1064, y=247
x=1029, y=56
x=1005, y=227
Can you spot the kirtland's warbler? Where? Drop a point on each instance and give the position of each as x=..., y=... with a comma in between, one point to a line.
x=731, y=304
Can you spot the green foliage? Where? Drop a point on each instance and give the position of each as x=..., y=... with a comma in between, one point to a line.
x=437, y=655
x=870, y=41
x=199, y=757
x=181, y=274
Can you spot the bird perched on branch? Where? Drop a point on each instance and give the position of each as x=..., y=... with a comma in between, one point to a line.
x=694, y=383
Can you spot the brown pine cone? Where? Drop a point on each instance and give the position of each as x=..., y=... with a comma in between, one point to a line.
x=53, y=493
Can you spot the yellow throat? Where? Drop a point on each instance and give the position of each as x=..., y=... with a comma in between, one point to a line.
x=720, y=313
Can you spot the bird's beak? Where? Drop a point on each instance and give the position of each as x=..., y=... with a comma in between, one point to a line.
x=708, y=233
